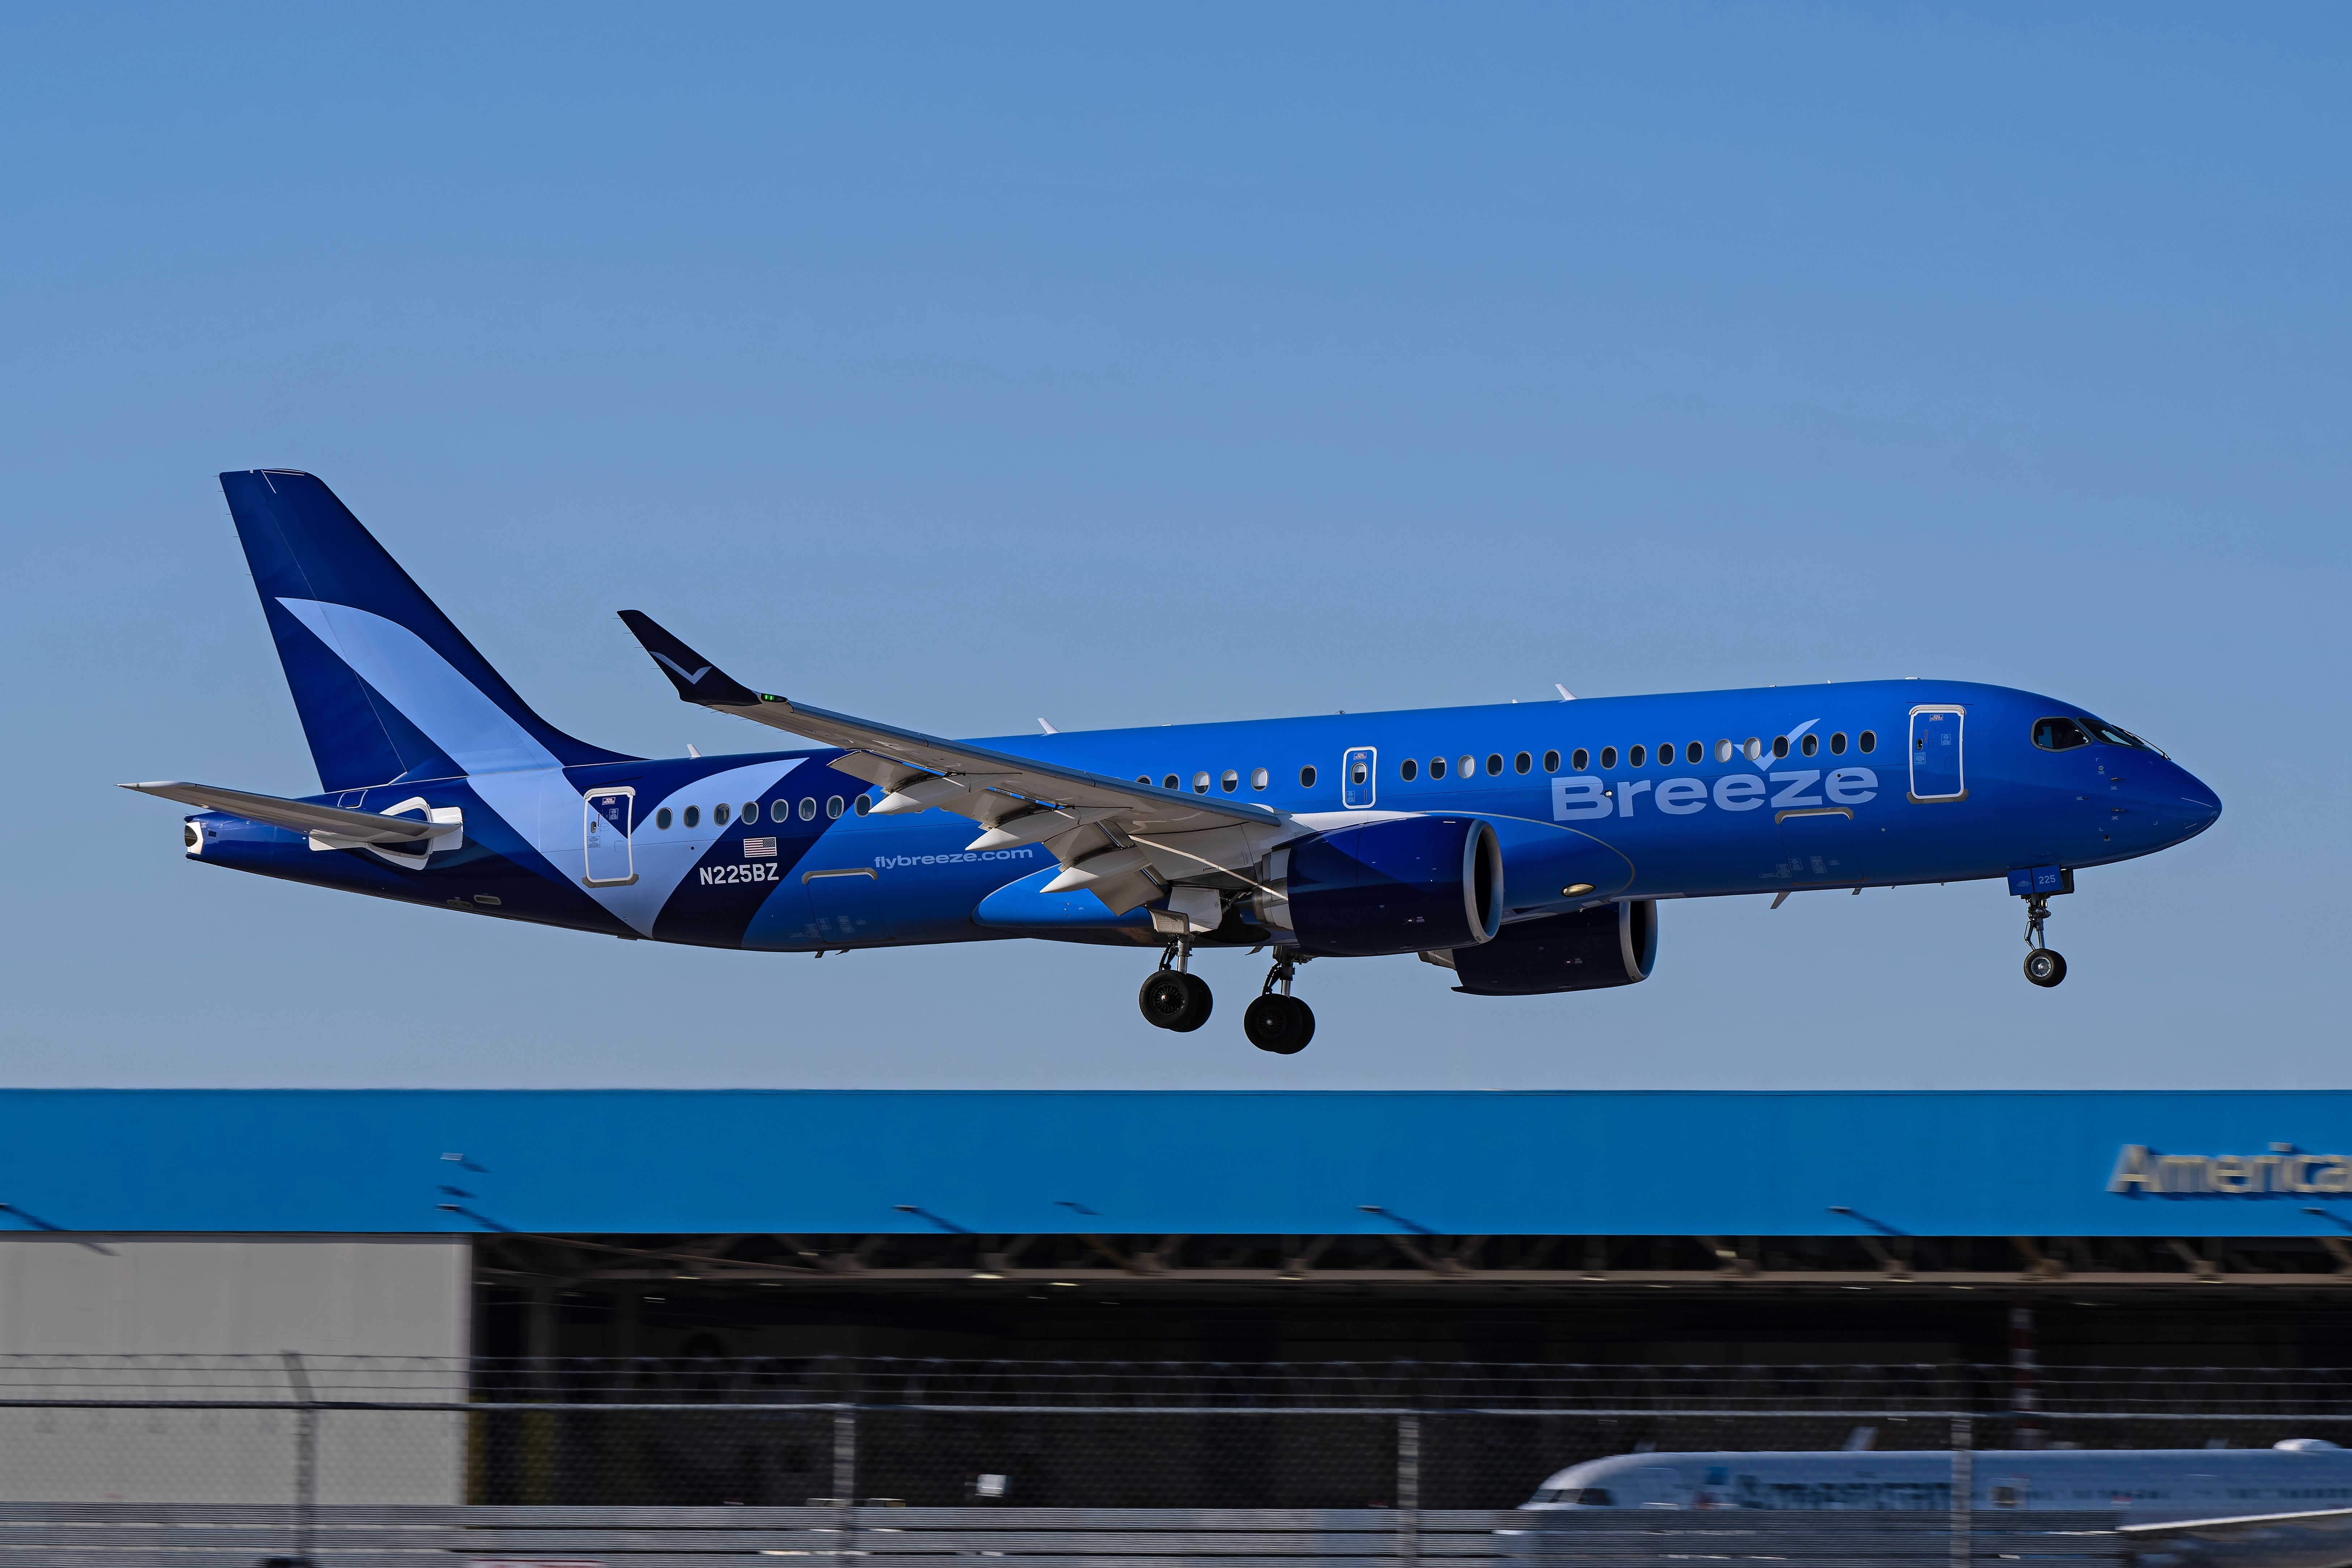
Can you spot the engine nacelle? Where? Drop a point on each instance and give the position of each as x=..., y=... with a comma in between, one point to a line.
x=1586, y=951
x=1396, y=886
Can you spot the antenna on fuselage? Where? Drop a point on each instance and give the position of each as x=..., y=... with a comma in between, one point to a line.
x=1565, y=695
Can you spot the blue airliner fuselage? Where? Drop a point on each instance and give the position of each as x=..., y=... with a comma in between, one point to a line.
x=1556, y=826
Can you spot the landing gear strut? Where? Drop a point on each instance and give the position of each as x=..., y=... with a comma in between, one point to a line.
x=1175, y=998
x=1278, y=1021
x=2042, y=966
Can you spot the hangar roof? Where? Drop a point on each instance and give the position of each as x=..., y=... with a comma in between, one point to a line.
x=1492, y=1164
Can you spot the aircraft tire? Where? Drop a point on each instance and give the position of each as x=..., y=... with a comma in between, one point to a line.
x=1175, y=1001
x=2045, y=967
x=1279, y=1024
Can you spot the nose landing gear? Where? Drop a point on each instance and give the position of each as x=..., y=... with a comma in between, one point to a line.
x=2042, y=966
x=1175, y=998
x=1278, y=1021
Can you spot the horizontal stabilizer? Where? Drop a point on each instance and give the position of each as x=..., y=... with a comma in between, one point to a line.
x=299, y=816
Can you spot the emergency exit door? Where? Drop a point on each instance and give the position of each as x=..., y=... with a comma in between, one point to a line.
x=1937, y=771
x=607, y=818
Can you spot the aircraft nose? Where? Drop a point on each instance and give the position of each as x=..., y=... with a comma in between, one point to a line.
x=2193, y=800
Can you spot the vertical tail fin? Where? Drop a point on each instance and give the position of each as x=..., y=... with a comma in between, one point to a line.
x=386, y=686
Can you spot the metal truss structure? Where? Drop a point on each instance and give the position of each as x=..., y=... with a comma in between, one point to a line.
x=1414, y=1257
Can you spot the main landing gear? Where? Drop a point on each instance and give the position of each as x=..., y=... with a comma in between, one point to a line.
x=2042, y=966
x=1175, y=998
x=1278, y=1021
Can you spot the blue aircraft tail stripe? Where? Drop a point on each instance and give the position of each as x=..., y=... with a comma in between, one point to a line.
x=313, y=565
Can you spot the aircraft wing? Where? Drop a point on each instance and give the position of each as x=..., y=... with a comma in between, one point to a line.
x=1122, y=839
x=300, y=816
x=2224, y=1525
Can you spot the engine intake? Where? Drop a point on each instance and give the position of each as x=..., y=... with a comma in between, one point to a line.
x=1396, y=886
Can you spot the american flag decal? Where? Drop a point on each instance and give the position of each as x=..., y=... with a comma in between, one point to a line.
x=760, y=849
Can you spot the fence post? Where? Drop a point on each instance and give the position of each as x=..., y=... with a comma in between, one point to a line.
x=1964, y=1486
x=306, y=1454
x=1408, y=1488
x=845, y=1476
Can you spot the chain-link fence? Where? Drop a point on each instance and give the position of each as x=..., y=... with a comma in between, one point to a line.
x=311, y=1432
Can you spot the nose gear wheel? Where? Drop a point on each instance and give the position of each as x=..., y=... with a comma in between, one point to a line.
x=2043, y=966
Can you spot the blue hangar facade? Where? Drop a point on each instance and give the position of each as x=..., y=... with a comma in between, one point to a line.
x=2139, y=1226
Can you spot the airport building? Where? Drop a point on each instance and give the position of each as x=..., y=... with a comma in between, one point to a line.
x=2137, y=1229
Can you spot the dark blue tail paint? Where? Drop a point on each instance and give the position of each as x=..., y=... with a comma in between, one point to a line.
x=306, y=548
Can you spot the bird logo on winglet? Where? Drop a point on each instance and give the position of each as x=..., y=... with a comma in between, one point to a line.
x=691, y=680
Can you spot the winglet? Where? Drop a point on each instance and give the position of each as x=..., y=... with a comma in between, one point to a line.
x=698, y=680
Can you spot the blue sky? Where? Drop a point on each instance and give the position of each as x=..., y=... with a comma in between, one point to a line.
x=958, y=365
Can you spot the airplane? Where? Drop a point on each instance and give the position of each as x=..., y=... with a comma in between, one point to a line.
x=2287, y=1506
x=1522, y=847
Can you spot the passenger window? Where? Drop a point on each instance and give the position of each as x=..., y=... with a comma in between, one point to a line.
x=1837, y=743
x=1230, y=782
x=1259, y=778
x=833, y=808
x=2059, y=735
x=1869, y=741
x=1143, y=779
x=1638, y=756
x=862, y=804
x=1437, y=768
x=1200, y=783
x=661, y=818
x=1725, y=751
x=1694, y=753
x=1551, y=761
x=719, y=815
x=1409, y=770
x=1780, y=746
x=1494, y=764
x=808, y=808
x=1306, y=777
x=694, y=816
x=1608, y=757
x=751, y=810
x=1359, y=774
x=1813, y=744
x=779, y=811
x=1581, y=760
x=1466, y=766
x=1666, y=754
x=1522, y=762
x=1170, y=782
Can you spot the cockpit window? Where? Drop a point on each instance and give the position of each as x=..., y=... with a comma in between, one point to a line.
x=2059, y=735
x=2105, y=731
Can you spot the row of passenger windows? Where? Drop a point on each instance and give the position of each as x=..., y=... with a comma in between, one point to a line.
x=778, y=812
x=1692, y=752
x=1467, y=765
x=1230, y=780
